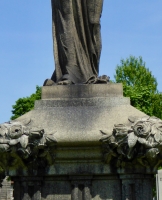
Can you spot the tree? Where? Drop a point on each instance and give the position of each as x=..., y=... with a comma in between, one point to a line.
x=140, y=85
x=24, y=105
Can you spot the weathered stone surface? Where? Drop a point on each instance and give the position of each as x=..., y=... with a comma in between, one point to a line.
x=87, y=187
x=82, y=91
x=136, y=187
x=137, y=144
x=25, y=147
x=106, y=187
x=77, y=123
x=79, y=170
x=74, y=102
x=78, y=120
x=86, y=121
x=76, y=40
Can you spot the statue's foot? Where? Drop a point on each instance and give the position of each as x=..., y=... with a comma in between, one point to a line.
x=65, y=82
x=98, y=80
x=103, y=79
x=49, y=82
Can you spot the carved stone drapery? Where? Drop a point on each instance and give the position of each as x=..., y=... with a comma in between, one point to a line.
x=140, y=143
x=25, y=147
x=77, y=40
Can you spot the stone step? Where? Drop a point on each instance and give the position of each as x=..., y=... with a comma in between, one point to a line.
x=82, y=91
x=75, y=102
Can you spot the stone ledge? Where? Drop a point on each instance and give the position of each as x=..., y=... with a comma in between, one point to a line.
x=74, y=102
x=82, y=91
x=80, y=124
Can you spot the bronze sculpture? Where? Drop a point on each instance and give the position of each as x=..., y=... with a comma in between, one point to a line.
x=76, y=40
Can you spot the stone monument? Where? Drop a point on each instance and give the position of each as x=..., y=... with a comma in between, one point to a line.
x=83, y=140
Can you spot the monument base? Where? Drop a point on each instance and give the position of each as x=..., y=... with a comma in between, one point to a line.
x=84, y=187
x=76, y=115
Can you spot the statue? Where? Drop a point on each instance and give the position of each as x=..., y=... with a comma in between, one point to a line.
x=76, y=41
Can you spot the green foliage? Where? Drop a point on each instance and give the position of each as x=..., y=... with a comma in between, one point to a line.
x=157, y=105
x=24, y=105
x=140, y=85
x=132, y=72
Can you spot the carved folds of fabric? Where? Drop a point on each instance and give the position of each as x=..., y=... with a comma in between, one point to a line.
x=76, y=39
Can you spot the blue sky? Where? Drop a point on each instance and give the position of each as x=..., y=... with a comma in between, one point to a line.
x=26, y=54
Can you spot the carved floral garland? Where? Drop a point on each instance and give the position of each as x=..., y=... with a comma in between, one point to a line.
x=24, y=146
x=140, y=142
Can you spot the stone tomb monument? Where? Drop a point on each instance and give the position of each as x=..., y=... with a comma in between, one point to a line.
x=83, y=140
x=79, y=143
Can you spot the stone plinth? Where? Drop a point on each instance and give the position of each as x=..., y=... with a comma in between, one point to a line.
x=75, y=168
x=82, y=91
x=79, y=115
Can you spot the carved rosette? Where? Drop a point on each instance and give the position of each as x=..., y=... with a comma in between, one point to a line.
x=25, y=147
x=140, y=143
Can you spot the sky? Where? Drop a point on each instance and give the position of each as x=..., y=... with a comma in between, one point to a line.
x=128, y=27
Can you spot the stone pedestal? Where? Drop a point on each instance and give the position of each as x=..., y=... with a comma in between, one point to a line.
x=136, y=186
x=114, y=187
x=76, y=168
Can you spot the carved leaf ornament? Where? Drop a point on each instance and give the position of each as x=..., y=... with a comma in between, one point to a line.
x=24, y=143
x=132, y=140
x=141, y=142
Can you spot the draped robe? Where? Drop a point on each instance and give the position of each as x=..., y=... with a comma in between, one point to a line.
x=76, y=39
